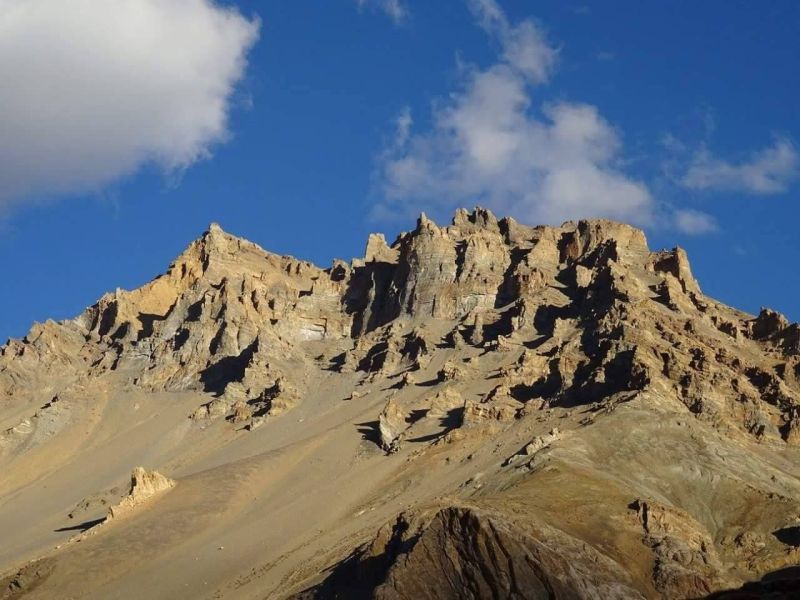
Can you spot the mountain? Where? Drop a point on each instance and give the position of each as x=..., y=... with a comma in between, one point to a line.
x=483, y=410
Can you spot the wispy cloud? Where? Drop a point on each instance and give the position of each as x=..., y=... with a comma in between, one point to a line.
x=491, y=143
x=396, y=10
x=770, y=170
x=694, y=222
x=525, y=47
x=403, y=125
x=93, y=90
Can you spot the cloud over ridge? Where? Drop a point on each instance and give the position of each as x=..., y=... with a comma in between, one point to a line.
x=94, y=90
x=490, y=142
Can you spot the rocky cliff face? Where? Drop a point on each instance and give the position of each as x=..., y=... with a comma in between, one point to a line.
x=600, y=427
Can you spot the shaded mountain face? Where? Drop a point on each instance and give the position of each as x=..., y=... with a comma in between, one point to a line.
x=480, y=410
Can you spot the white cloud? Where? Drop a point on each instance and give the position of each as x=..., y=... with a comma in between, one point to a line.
x=403, y=126
x=524, y=47
x=396, y=10
x=768, y=171
x=694, y=222
x=91, y=91
x=488, y=143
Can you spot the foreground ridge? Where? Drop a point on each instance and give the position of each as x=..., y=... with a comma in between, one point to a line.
x=561, y=396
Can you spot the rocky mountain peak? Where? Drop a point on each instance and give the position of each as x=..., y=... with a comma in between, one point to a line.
x=226, y=305
x=553, y=368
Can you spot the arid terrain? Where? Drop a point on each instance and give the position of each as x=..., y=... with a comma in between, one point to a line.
x=482, y=410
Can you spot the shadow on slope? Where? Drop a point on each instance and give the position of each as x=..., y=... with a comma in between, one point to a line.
x=783, y=584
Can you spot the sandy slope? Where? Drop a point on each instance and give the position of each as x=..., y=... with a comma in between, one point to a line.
x=305, y=481
x=256, y=513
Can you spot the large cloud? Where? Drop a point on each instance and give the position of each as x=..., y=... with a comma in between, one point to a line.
x=490, y=143
x=92, y=90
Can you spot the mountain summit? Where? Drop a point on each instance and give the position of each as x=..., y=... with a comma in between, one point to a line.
x=485, y=409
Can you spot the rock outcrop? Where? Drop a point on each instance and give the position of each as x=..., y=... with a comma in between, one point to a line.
x=466, y=553
x=144, y=485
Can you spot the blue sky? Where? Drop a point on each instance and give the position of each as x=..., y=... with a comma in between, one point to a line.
x=305, y=125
